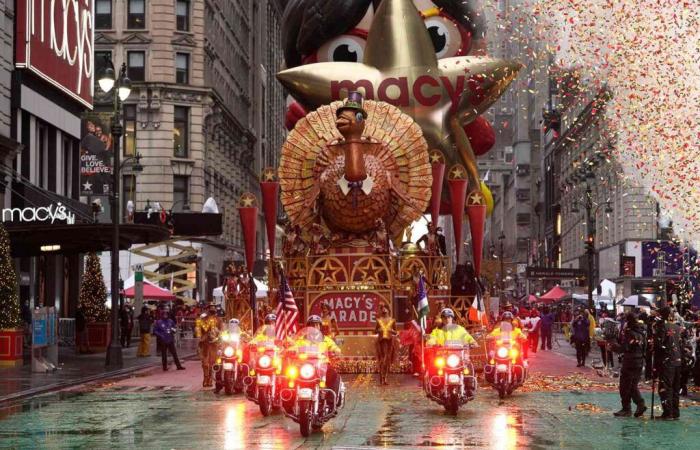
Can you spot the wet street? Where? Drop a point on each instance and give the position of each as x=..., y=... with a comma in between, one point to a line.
x=170, y=411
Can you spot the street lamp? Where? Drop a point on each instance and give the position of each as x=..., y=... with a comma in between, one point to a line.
x=107, y=81
x=501, y=238
x=591, y=214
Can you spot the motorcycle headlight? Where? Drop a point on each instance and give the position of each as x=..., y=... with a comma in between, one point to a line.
x=440, y=362
x=502, y=352
x=453, y=361
x=228, y=351
x=307, y=371
x=225, y=337
x=514, y=353
x=292, y=373
x=264, y=361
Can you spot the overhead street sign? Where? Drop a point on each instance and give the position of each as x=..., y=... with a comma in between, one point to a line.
x=551, y=273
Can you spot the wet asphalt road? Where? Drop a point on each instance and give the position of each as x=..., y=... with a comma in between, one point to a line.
x=145, y=413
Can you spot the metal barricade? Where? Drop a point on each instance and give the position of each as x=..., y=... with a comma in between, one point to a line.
x=66, y=332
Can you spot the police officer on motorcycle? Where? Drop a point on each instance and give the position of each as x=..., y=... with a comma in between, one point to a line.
x=329, y=346
x=449, y=331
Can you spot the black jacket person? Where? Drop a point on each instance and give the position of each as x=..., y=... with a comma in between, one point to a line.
x=668, y=362
x=632, y=344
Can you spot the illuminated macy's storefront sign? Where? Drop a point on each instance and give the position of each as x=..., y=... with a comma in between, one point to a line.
x=51, y=213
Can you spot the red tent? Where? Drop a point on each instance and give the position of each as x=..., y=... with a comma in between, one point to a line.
x=151, y=292
x=554, y=294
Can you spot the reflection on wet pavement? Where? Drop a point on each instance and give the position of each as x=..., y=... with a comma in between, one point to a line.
x=399, y=417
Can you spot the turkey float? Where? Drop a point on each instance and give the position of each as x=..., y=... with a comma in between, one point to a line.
x=354, y=166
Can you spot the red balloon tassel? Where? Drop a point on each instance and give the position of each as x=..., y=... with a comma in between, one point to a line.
x=248, y=211
x=270, y=191
x=477, y=220
x=437, y=160
x=457, y=183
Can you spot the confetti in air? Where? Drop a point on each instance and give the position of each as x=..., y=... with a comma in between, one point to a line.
x=646, y=53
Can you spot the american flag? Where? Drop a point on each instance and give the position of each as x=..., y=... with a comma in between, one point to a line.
x=287, y=311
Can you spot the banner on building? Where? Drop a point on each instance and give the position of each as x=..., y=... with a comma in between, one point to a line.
x=96, y=154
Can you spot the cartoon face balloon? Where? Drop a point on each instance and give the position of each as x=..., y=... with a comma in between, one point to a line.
x=336, y=31
x=400, y=66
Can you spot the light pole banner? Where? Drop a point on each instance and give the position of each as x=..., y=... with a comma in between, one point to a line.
x=96, y=155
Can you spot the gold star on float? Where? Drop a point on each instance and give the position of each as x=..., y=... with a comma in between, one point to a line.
x=400, y=67
x=457, y=172
x=247, y=200
x=328, y=271
x=370, y=270
x=268, y=174
x=436, y=157
x=476, y=198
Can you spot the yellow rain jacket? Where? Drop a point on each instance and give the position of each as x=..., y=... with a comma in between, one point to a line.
x=451, y=332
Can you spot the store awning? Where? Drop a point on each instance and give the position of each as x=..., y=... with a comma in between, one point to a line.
x=45, y=239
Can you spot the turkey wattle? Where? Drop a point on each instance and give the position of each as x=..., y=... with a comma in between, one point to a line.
x=355, y=205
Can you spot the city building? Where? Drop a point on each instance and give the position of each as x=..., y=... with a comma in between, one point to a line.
x=513, y=168
x=205, y=114
x=632, y=245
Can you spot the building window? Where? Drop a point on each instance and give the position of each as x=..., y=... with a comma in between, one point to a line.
x=522, y=218
x=128, y=192
x=182, y=68
x=103, y=14
x=181, y=132
x=102, y=59
x=181, y=192
x=136, y=66
x=136, y=15
x=182, y=11
x=129, y=130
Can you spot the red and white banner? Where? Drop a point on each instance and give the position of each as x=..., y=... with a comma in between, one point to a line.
x=54, y=40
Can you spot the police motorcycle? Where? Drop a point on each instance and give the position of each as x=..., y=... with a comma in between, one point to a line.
x=506, y=370
x=265, y=376
x=450, y=380
x=307, y=398
x=229, y=368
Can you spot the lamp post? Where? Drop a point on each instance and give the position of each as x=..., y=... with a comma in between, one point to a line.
x=107, y=81
x=501, y=238
x=591, y=214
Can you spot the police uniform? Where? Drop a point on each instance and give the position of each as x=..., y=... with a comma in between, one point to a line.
x=668, y=363
x=632, y=345
x=455, y=333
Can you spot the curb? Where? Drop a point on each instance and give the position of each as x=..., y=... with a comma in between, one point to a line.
x=78, y=381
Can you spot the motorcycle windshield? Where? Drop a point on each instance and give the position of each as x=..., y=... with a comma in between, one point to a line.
x=311, y=340
x=267, y=332
x=506, y=329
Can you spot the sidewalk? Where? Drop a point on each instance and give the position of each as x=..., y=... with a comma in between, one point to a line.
x=75, y=369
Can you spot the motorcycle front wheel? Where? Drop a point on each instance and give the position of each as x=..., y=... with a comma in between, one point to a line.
x=305, y=418
x=452, y=404
x=228, y=383
x=501, y=392
x=265, y=401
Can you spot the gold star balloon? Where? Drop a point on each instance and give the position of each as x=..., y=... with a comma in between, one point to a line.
x=400, y=68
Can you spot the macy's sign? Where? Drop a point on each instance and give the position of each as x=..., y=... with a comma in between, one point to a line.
x=39, y=214
x=55, y=41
